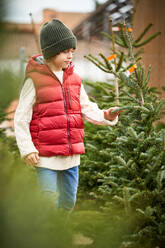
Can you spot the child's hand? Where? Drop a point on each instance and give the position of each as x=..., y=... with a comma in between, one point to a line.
x=108, y=115
x=32, y=158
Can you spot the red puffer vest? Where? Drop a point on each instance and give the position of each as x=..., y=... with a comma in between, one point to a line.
x=56, y=127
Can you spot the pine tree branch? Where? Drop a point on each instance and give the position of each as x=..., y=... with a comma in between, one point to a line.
x=106, y=61
x=117, y=39
x=143, y=33
x=96, y=59
x=133, y=98
x=114, y=52
x=120, y=62
x=134, y=61
x=124, y=39
x=96, y=64
x=147, y=40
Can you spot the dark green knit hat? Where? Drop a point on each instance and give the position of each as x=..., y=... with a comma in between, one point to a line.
x=56, y=37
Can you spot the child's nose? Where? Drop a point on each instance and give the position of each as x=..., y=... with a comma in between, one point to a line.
x=69, y=55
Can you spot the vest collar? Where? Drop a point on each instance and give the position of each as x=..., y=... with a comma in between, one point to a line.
x=36, y=63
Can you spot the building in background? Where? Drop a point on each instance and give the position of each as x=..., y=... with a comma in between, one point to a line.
x=17, y=35
x=97, y=21
x=151, y=11
x=86, y=26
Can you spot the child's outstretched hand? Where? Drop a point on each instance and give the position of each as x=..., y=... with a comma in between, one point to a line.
x=32, y=158
x=108, y=115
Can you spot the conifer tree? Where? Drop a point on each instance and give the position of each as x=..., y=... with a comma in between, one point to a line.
x=125, y=164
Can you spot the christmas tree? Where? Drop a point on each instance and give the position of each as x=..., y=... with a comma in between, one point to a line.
x=125, y=164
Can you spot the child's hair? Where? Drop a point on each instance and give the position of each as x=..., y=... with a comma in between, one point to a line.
x=56, y=37
x=46, y=61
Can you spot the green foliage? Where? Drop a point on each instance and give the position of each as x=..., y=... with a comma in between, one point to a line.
x=9, y=84
x=28, y=218
x=105, y=229
x=125, y=165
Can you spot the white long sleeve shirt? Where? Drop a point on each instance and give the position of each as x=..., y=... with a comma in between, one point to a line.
x=23, y=116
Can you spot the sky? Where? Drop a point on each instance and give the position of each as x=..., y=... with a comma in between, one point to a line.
x=18, y=10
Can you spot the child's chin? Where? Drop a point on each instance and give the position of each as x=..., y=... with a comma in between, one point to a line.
x=65, y=66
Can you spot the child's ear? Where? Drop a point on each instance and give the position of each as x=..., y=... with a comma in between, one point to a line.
x=46, y=61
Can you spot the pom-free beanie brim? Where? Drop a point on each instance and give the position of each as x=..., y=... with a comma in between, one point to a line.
x=58, y=47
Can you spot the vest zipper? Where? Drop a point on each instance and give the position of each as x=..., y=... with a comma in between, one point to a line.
x=69, y=98
x=68, y=124
x=65, y=109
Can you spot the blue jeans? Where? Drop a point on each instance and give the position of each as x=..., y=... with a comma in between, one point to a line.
x=64, y=182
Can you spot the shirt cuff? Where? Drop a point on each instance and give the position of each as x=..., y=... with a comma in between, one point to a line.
x=25, y=153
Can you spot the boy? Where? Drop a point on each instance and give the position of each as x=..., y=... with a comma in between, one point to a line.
x=48, y=121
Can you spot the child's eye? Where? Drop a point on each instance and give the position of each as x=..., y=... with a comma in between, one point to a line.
x=66, y=51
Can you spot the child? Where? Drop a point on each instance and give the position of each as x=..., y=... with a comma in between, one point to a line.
x=48, y=120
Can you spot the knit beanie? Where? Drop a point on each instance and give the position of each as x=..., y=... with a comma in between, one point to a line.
x=56, y=37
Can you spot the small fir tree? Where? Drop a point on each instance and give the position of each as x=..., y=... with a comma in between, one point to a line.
x=125, y=164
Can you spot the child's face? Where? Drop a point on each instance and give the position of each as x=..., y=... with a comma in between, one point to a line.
x=61, y=60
